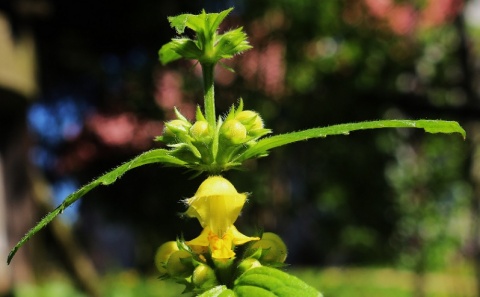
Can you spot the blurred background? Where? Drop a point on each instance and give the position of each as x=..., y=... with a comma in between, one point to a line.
x=376, y=213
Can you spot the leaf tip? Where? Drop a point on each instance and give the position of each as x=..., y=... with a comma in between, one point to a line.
x=12, y=254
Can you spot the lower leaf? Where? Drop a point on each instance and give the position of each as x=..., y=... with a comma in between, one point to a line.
x=270, y=282
x=149, y=157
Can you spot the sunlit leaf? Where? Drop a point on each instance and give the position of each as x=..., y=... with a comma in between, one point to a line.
x=149, y=157
x=232, y=42
x=179, y=22
x=213, y=20
x=167, y=53
x=270, y=282
x=218, y=291
x=264, y=145
x=208, y=46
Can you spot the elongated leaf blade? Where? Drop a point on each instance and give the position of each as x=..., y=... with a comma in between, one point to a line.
x=270, y=282
x=431, y=126
x=149, y=157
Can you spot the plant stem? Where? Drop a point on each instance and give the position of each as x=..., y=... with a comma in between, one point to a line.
x=209, y=94
x=224, y=272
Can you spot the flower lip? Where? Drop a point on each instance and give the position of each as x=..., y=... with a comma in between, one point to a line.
x=217, y=205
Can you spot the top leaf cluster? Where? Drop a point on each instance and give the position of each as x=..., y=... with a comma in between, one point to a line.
x=209, y=47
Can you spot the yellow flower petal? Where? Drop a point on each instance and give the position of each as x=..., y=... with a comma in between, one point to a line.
x=221, y=247
x=216, y=204
x=216, y=185
x=239, y=238
x=201, y=240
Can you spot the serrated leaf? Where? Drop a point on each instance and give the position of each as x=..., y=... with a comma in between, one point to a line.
x=270, y=282
x=198, y=23
x=264, y=145
x=232, y=42
x=149, y=157
x=208, y=46
x=179, y=22
x=213, y=20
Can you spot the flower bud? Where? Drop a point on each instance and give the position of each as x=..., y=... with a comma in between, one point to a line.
x=175, y=128
x=163, y=254
x=250, y=119
x=248, y=264
x=273, y=248
x=200, y=131
x=234, y=131
x=204, y=277
x=178, y=264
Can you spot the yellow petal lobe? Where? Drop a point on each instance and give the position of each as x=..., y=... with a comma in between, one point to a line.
x=217, y=205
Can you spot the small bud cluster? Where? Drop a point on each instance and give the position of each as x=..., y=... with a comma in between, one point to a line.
x=213, y=148
x=242, y=126
x=200, y=272
x=175, y=260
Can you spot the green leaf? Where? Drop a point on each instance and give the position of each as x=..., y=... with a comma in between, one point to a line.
x=213, y=20
x=186, y=48
x=167, y=53
x=205, y=24
x=208, y=47
x=178, y=48
x=270, y=282
x=179, y=22
x=218, y=291
x=149, y=157
x=232, y=42
x=228, y=293
x=262, y=147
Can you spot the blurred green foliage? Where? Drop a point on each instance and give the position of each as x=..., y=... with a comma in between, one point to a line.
x=332, y=282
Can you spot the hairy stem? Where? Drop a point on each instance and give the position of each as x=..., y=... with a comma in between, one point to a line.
x=209, y=94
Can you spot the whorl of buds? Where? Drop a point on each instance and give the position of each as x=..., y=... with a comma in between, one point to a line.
x=213, y=147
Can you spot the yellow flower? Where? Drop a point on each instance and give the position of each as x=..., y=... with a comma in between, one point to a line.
x=217, y=205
